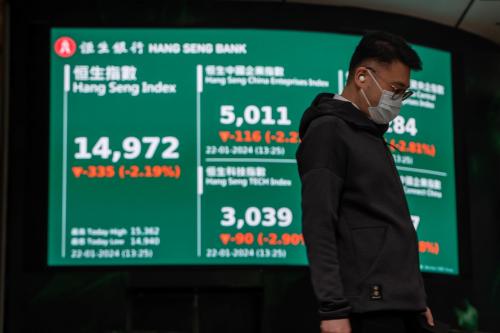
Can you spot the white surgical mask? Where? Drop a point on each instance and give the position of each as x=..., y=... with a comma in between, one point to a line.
x=387, y=108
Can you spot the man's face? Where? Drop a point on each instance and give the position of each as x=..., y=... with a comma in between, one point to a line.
x=393, y=77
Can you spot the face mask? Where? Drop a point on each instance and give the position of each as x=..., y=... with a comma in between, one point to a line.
x=387, y=108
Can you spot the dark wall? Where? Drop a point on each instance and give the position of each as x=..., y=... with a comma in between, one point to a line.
x=177, y=299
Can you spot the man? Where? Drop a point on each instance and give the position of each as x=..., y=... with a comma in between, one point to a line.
x=361, y=244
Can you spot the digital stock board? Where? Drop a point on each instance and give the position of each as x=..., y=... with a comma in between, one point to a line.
x=177, y=146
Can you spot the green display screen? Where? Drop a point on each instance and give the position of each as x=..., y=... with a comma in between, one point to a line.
x=177, y=146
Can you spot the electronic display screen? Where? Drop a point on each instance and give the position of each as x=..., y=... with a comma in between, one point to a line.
x=177, y=146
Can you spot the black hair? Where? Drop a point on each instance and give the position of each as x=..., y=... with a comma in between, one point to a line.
x=384, y=47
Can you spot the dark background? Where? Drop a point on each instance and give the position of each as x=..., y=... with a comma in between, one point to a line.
x=229, y=299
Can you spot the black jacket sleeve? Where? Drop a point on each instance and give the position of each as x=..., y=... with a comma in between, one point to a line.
x=321, y=158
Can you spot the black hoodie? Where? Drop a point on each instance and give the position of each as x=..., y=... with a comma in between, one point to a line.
x=361, y=245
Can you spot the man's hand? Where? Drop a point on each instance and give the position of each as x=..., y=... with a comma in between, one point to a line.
x=336, y=326
x=428, y=316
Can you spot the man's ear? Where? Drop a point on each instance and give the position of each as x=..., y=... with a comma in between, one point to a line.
x=360, y=77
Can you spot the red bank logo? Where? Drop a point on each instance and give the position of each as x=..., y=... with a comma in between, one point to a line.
x=65, y=47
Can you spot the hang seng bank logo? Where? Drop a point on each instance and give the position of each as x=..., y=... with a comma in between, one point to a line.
x=65, y=47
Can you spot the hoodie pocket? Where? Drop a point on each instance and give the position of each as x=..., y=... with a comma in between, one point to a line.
x=368, y=243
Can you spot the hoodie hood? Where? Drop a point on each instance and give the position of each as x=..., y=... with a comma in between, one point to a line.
x=324, y=104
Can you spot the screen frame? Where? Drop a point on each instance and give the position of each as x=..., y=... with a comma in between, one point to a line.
x=38, y=125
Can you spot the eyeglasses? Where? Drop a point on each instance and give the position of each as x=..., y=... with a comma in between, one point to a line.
x=398, y=92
